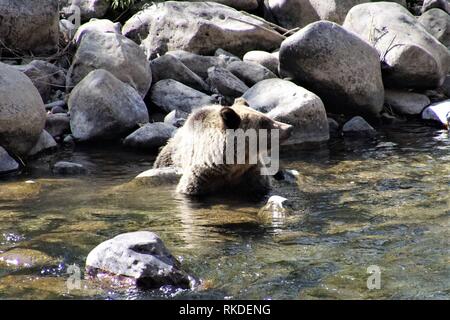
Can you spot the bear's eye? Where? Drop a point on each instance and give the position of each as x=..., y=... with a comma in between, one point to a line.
x=265, y=123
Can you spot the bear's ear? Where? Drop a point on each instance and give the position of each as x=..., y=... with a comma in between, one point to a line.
x=241, y=101
x=230, y=118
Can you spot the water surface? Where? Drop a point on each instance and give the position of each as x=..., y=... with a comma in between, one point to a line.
x=382, y=202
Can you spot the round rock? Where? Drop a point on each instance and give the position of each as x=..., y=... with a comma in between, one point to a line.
x=104, y=108
x=318, y=58
x=141, y=257
x=22, y=111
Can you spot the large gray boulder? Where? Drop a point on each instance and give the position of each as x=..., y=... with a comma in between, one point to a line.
x=26, y=26
x=198, y=27
x=7, y=163
x=22, y=111
x=299, y=13
x=97, y=25
x=169, y=67
x=141, y=257
x=114, y=53
x=45, y=76
x=437, y=23
x=88, y=8
x=286, y=102
x=150, y=136
x=410, y=56
x=171, y=95
x=337, y=65
x=435, y=4
x=103, y=107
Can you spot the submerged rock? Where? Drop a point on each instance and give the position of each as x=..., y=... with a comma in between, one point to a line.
x=277, y=207
x=357, y=126
x=438, y=112
x=20, y=191
x=198, y=27
x=288, y=176
x=19, y=258
x=68, y=168
x=141, y=257
x=159, y=176
x=47, y=287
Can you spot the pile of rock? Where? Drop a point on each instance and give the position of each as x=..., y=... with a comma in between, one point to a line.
x=140, y=81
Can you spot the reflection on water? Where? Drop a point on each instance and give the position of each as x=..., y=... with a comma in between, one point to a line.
x=383, y=202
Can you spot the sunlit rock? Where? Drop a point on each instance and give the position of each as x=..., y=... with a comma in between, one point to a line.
x=141, y=258
x=438, y=112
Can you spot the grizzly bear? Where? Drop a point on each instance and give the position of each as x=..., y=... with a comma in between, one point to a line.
x=201, y=150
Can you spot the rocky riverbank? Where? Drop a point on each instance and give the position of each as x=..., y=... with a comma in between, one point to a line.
x=135, y=84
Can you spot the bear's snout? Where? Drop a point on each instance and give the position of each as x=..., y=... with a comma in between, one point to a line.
x=285, y=130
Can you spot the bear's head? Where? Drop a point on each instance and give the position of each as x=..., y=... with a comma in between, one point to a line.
x=241, y=116
x=214, y=134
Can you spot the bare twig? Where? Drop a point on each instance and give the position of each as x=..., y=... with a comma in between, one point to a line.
x=273, y=25
x=257, y=26
x=286, y=34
